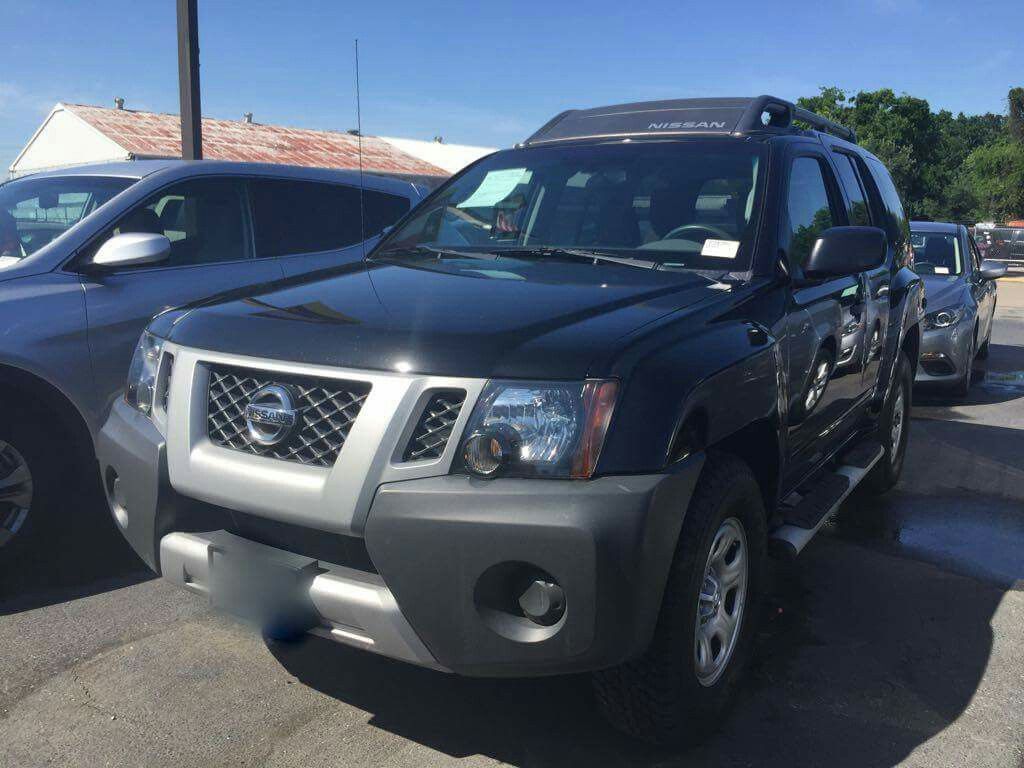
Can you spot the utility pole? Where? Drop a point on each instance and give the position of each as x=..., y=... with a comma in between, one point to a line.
x=188, y=80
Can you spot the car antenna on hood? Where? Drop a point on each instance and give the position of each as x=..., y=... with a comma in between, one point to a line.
x=359, y=143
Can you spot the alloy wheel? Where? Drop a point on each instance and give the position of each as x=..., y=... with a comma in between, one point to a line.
x=721, y=602
x=15, y=491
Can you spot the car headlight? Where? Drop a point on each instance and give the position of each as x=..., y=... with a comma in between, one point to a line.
x=538, y=429
x=944, y=318
x=141, y=384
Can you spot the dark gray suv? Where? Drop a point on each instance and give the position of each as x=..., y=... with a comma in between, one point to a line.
x=89, y=255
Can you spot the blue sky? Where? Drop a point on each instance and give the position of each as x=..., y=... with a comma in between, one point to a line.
x=489, y=73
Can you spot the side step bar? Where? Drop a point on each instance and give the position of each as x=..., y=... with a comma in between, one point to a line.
x=805, y=518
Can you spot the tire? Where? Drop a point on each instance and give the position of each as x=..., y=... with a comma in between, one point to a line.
x=983, y=350
x=33, y=479
x=660, y=697
x=963, y=386
x=886, y=472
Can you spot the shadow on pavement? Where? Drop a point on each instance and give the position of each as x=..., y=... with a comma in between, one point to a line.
x=861, y=658
x=80, y=554
x=999, y=379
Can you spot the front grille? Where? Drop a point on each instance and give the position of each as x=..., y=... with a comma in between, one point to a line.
x=434, y=428
x=328, y=408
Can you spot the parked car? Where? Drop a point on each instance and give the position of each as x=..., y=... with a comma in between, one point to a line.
x=556, y=419
x=1002, y=243
x=961, y=293
x=89, y=254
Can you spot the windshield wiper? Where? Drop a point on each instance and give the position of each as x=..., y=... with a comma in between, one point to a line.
x=578, y=254
x=439, y=252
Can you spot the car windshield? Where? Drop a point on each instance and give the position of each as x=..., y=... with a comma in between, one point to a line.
x=936, y=253
x=34, y=211
x=690, y=204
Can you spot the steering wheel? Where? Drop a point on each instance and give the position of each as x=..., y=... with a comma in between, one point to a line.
x=713, y=232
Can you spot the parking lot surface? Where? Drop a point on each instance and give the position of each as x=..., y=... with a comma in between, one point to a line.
x=897, y=638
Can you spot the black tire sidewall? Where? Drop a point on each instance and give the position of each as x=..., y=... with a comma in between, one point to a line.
x=887, y=472
x=50, y=477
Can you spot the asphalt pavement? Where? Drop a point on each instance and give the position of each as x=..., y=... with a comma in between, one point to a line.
x=897, y=638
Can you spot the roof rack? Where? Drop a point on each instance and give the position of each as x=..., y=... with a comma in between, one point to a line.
x=683, y=116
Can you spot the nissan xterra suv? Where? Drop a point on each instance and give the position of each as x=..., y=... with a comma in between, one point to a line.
x=557, y=418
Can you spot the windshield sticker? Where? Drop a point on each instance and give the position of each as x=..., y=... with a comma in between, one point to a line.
x=496, y=186
x=942, y=270
x=722, y=249
x=8, y=261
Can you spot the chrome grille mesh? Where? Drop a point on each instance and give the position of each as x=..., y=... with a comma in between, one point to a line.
x=434, y=428
x=328, y=409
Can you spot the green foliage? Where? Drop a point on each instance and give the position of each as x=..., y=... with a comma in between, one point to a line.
x=946, y=167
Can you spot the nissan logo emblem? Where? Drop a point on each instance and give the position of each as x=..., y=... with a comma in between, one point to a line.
x=271, y=415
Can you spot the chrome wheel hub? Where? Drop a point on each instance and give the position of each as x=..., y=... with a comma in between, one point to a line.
x=896, y=430
x=15, y=491
x=817, y=388
x=721, y=602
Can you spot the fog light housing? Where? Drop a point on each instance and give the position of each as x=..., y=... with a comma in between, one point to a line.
x=487, y=452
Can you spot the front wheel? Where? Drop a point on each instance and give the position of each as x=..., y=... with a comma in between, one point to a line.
x=686, y=678
x=32, y=478
x=893, y=426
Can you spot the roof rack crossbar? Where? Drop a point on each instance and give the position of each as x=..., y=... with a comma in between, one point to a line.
x=824, y=124
x=772, y=112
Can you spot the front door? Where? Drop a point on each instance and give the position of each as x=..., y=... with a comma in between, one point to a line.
x=208, y=223
x=826, y=320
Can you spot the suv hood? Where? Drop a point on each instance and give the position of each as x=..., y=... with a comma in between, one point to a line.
x=531, y=320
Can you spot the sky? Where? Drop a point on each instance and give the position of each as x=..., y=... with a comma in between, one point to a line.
x=491, y=73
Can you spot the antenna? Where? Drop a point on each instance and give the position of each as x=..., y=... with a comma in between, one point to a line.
x=359, y=140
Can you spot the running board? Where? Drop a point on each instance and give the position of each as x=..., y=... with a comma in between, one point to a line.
x=805, y=518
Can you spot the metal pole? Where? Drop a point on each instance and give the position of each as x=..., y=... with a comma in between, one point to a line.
x=188, y=80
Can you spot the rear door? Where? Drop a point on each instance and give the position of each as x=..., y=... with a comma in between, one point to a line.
x=208, y=223
x=875, y=306
x=984, y=291
x=314, y=225
x=823, y=317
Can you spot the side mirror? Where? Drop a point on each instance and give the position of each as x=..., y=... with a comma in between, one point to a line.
x=846, y=251
x=992, y=270
x=132, y=249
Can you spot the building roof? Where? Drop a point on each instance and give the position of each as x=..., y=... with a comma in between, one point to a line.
x=150, y=134
x=157, y=135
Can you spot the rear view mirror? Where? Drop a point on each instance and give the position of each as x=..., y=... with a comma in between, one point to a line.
x=132, y=249
x=846, y=251
x=992, y=270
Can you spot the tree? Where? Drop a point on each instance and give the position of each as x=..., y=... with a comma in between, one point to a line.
x=1015, y=101
x=994, y=175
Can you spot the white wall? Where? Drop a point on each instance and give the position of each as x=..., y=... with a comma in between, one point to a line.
x=450, y=157
x=62, y=140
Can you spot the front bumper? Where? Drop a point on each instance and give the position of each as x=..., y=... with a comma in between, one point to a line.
x=945, y=353
x=444, y=559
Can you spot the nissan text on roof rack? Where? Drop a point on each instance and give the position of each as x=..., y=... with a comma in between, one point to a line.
x=557, y=418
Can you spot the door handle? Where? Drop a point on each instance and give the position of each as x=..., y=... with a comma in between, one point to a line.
x=883, y=290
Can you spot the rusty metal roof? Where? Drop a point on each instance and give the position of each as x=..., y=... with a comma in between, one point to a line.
x=150, y=134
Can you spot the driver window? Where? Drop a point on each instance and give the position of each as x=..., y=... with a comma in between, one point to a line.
x=205, y=220
x=808, y=209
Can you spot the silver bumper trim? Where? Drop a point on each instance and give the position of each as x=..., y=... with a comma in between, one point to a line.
x=353, y=607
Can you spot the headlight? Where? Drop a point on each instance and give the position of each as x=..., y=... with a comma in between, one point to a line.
x=944, y=318
x=138, y=391
x=538, y=429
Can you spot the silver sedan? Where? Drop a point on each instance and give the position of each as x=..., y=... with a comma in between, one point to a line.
x=961, y=294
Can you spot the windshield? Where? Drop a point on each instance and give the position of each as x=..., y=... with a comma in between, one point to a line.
x=35, y=211
x=936, y=253
x=652, y=204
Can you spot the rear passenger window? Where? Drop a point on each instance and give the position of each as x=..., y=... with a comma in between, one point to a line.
x=896, y=224
x=858, y=211
x=807, y=208
x=303, y=217
x=381, y=210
